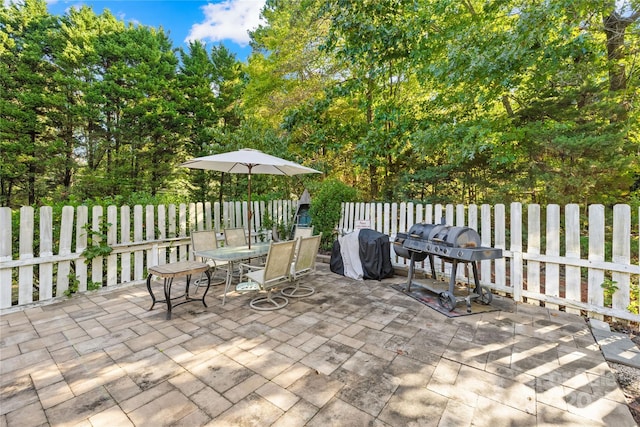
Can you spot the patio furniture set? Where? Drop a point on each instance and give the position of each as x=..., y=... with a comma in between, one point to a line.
x=263, y=267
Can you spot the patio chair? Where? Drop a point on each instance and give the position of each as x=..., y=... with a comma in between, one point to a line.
x=206, y=240
x=303, y=265
x=276, y=271
x=235, y=237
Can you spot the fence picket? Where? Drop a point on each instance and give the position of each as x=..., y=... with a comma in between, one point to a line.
x=5, y=255
x=138, y=256
x=517, y=267
x=182, y=232
x=621, y=254
x=125, y=239
x=500, y=264
x=595, y=276
x=150, y=235
x=66, y=237
x=533, y=248
x=485, y=239
x=552, y=248
x=82, y=222
x=573, y=278
x=112, y=239
x=45, y=269
x=25, y=273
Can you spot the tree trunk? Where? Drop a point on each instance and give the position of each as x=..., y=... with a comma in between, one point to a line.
x=615, y=27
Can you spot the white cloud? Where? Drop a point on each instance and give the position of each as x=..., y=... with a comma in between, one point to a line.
x=228, y=20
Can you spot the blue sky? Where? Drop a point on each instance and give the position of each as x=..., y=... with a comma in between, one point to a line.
x=212, y=21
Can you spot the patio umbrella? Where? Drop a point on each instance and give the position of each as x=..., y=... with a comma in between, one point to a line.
x=248, y=161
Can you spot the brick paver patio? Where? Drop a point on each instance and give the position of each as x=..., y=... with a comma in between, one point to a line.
x=353, y=354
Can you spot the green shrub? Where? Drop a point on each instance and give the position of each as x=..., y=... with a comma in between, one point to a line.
x=325, y=212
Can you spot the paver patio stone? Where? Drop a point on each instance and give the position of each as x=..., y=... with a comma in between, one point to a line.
x=338, y=412
x=414, y=406
x=298, y=415
x=79, y=408
x=354, y=352
x=368, y=393
x=316, y=388
x=251, y=411
x=54, y=394
x=277, y=395
x=110, y=417
x=489, y=412
x=30, y=415
x=165, y=410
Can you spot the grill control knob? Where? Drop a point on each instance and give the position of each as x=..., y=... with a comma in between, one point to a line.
x=460, y=253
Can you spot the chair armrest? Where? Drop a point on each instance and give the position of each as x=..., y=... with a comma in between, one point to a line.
x=248, y=267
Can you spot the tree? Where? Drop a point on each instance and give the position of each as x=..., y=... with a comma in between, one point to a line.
x=29, y=93
x=211, y=87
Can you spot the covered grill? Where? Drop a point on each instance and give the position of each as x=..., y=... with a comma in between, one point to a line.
x=451, y=244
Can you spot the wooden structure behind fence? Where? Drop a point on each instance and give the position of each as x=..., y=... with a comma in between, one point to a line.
x=544, y=258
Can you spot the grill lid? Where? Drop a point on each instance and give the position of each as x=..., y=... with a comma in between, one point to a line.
x=457, y=237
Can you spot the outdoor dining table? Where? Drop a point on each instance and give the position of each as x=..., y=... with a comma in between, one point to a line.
x=234, y=254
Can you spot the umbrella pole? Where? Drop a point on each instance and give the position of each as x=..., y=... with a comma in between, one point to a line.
x=249, y=207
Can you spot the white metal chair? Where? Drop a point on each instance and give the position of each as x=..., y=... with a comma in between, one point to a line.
x=205, y=240
x=276, y=271
x=235, y=237
x=304, y=264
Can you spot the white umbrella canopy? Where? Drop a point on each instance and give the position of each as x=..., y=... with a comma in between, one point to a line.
x=248, y=161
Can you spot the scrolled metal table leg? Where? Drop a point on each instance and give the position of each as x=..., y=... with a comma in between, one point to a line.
x=153, y=298
x=167, y=295
x=208, y=273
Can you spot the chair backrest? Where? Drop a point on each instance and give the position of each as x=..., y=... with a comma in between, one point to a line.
x=302, y=232
x=305, y=262
x=278, y=265
x=235, y=237
x=204, y=240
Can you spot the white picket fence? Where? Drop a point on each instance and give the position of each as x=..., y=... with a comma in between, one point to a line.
x=540, y=273
x=160, y=234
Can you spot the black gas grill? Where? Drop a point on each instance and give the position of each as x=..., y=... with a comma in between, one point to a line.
x=451, y=244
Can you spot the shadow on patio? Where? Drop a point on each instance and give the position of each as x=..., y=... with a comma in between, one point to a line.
x=354, y=353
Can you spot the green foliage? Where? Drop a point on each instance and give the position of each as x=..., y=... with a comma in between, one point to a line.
x=96, y=246
x=279, y=226
x=442, y=101
x=325, y=207
x=634, y=306
x=74, y=284
x=610, y=287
